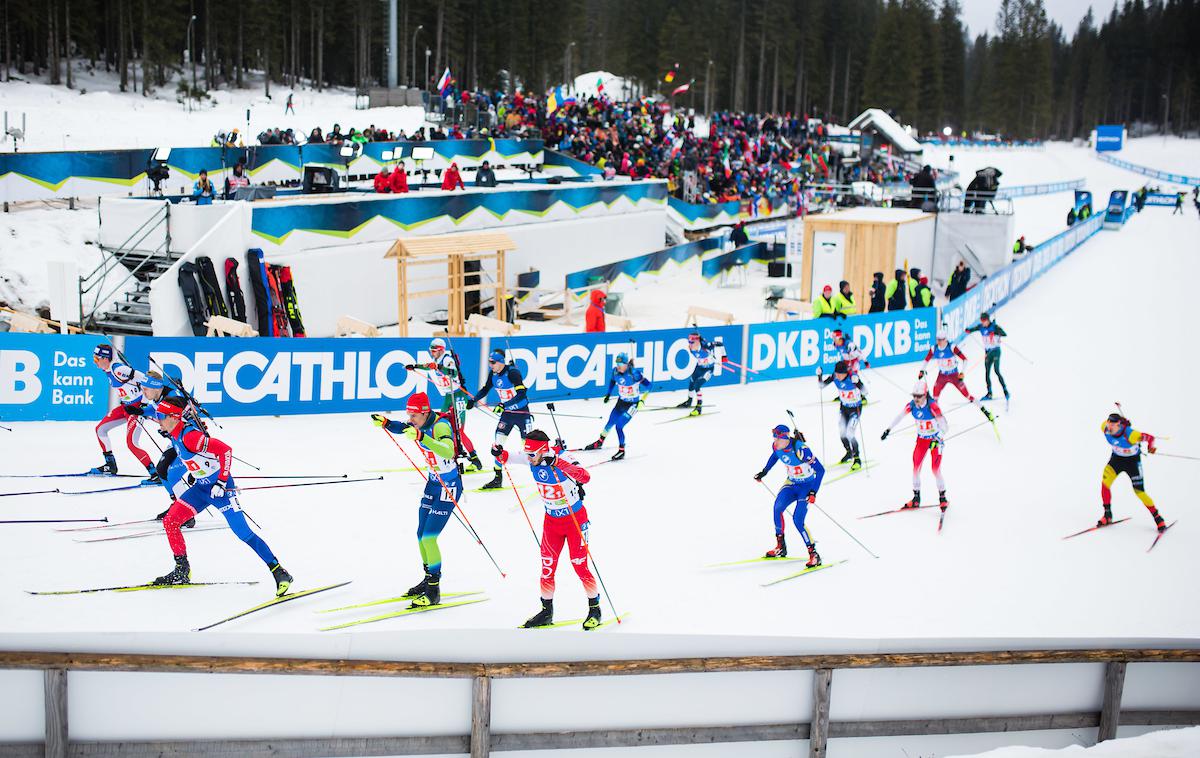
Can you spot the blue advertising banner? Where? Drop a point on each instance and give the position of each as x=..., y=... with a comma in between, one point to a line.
x=1001, y=286
x=578, y=365
x=51, y=377
x=633, y=267
x=1115, y=213
x=259, y=376
x=1109, y=137
x=788, y=349
x=755, y=251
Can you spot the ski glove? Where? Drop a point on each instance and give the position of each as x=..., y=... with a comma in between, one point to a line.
x=812, y=498
x=885, y=434
x=379, y=420
x=642, y=400
x=759, y=476
x=135, y=410
x=502, y=457
x=561, y=444
x=218, y=491
x=579, y=486
x=413, y=433
x=606, y=399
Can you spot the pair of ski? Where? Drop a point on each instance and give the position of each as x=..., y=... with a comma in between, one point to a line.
x=1098, y=527
x=405, y=612
x=685, y=418
x=941, y=516
x=574, y=622
x=763, y=559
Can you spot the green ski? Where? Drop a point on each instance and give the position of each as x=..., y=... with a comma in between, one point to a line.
x=760, y=559
x=135, y=588
x=802, y=573
x=603, y=624
x=385, y=601
x=405, y=612
x=272, y=602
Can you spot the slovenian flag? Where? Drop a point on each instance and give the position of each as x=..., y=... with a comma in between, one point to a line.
x=444, y=83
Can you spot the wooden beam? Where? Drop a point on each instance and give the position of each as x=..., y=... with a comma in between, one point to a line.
x=450, y=244
x=549, y=669
x=1110, y=709
x=56, y=713
x=481, y=717
x=819, y=732
x=300, y=748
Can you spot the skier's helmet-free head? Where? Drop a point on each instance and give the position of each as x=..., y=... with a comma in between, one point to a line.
x=841, y=367
x=537, y=446
x=437, y=346
x=985, y=317
x=920, y=390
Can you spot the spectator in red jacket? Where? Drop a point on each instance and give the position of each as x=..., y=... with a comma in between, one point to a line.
x=383, y=180
x=400, y=179
x=452, y=179
x=594, y=321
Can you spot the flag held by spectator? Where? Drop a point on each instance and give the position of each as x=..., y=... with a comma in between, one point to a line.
x=555, y=101
x=681, y=89
x=444, y=83
x=670, y=77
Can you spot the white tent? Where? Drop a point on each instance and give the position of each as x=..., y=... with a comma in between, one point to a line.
x=878, y=120
x=587, y=85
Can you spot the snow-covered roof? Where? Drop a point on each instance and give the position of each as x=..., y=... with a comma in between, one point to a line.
x=871, y=214
x=874, y=118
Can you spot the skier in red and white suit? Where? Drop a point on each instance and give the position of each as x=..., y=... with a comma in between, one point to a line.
x=560, y=485
x=931, y=437
x=127, y=382
x=948, y=357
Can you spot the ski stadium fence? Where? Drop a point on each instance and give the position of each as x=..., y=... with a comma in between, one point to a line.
x=51, y=377
x=1165, y=176
x=1077, y=688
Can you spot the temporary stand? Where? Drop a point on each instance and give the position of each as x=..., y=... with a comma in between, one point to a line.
x=452, y=251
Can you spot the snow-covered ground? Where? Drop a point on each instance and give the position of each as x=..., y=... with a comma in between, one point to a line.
x=96, y=115
x=1171, y=743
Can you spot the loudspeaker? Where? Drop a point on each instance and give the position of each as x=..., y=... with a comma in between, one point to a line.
x=779, y=269
x=471, y=271
x=319, y=179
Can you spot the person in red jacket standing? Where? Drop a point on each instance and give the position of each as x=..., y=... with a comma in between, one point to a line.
x=383, y=180
x=594, y=321
x=452, y=179
x=400, y=179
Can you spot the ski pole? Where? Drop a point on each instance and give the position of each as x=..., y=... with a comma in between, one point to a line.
x=887, y=379
x=54, y=520
x=564, y=415
x=1019, y=354
x=522, y=504
x=458, y=511
x=36, y=492
x=743, y=368
x=588, y=550
x=304, y=484
x=550, y=407
x=1173, y=455
x=6, y=428
x=297, y=476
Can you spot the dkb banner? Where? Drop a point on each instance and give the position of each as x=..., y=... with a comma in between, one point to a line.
x=578, y=365
x=788, y=349
x=259, y=376
x=50, y=377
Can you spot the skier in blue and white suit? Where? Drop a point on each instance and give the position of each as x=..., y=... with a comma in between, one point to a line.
x=804, y=474
x=628, y=381
x=707, y=355
x=513, y=408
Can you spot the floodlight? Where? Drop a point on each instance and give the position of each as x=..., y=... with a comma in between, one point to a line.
x=162, y=154
x=422, y=153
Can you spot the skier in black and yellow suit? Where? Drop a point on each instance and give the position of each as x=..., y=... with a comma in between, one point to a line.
x=1126, y=459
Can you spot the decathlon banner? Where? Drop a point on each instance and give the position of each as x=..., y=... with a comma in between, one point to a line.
x=261, y=376
x=578, y=365
x=788, y=349
x=51, y=377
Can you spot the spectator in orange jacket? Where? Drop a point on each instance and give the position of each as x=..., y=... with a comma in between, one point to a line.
x=594, y=321
x=400, y=179
x=452, y=179
x=383, y=180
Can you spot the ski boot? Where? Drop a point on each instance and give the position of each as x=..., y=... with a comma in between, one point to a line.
x=814, y=558
x=283, y=580
x=186, y=524
x=1158, y=520
x=698, y=409
x=153, y=478
x=181, y=574
x=593, y=615
x=780, y=549
x=686, y=403
x=986, y=398
x=856, y=464
x=496, y=482
x=849, y=456
x=599, y=443
x=474, y=460
x=1107, y=518
x=1006, y=395
x=432, y=594
x=419, y=587
x=544, y=617
x=943, y=503
x=109, y=466
x=914, y=503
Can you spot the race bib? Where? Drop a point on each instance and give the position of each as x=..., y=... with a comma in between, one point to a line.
x=627, y=391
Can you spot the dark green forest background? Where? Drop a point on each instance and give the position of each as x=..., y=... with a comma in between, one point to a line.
x=1138, y=61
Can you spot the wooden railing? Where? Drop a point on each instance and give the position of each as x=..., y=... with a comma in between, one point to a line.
x=481, y=742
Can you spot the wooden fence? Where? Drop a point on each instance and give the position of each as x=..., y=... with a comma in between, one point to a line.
x=818, y=730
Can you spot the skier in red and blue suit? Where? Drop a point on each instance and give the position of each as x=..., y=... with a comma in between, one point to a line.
x=127, y=381
x=434, y=435
x=513, y=408
x=559, y=482
x=931, y=431
x=947, y=357
x=628, y=381
x=707, y=355
x=804, y=475
x=205, y=481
